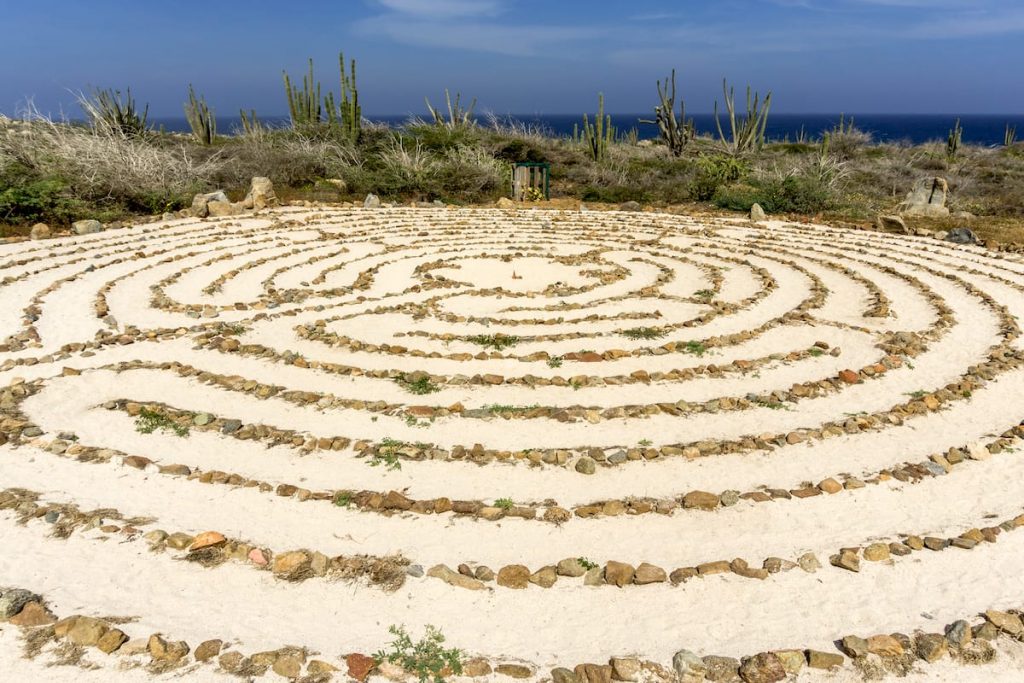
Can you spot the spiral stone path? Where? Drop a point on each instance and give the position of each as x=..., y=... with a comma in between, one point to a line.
x=585, y=446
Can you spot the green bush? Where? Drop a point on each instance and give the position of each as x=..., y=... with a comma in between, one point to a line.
x=792, y=194
x=714, y=171
x=27, y=198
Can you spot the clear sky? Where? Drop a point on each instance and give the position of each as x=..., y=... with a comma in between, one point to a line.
x=522, y=56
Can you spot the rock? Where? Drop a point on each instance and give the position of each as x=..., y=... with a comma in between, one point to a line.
x=649, y=573
x=360, y=665
x=855, y=646
x=722, y=669
x=111, y=641
x=849, y=376
x=563, y=675
x=219, y=209
x=208, y=649
x=291, y=565
x=288, y=665
x=571, y=566
x=167, y=651
x=764, y=667
x=809, y=563
x=792, y=660
x=959, y=634
x=476, y=667
x=200, y=202
x=618, y=573
x=757, y=214
x=544, y=577
x=87, y=631
x=372, y=201
x=846, y=559
x=39, y=231
x=514, y=670
x=824, y=660
x=318, y=667
x=625, y=668
x=261, y=194
x=629, y=206
x=687, y=663
x=876, y=552
x=33, y=614
x=701, y=500
x=1004, y=621
x=514, y=576
x=927, y=199
x=962, y=236
x=207, y=539
x=13, y=600
x=892, y=224
x=830, y=486
x=86, y=227
x=884, y=646
x=453, y=578
x=594, y=577
x=506, y=203
x=931, y=647
x=586, y=465
x=231, y=661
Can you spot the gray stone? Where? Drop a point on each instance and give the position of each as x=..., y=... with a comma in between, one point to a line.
x=86, y=227
x=721, y=668
x=13, y=599
x=687, y=663
x=586, y=465
x=372, y=201
x=927, y=199
x=959, y=633
x=757, y=214
x=200, y=202
x=892, y=224
x=231, y=426
x=630, y=206
x=52, y=516
x=962, y=236
x=261, y=194
x=414, y=570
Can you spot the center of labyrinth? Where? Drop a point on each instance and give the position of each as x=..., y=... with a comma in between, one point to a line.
x=467, y=418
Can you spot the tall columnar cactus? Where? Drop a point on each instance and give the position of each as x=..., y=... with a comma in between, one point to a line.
x=598, y=136
x=250, y=124
x=304, y=105
x=675, y=133
x=1009, y=135
x=201, y=118
x=347, y=114
x=956, y=136
x=748, y=132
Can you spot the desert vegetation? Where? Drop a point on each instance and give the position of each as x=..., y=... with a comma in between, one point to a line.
x=115, y=165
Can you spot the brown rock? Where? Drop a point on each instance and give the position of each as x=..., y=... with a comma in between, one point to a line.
x=849, y=376
x=33, y=614
x=824, y=660
x=111, y=640
x=453, y=578
x=719, y=567
x=476, y=667
x=594, y=673
x=291, y=564
x=846, y=559
x=360, y=665
x=931, y=647
x=514, y=670
x=765, y=667
x=544, y=577
x=207, y=539
x=571, y=566
x=792, y=660
x=649, y=573
x=625, y=668
x=318, y=667
x=231, y=661
x=167, y=651
x=618, y=573
x=884, y=646
x=1004, y=621
x=876, y=552
x=514, y=576
x=289, y=665
x=830, y=486
x=208, y=649
x=682, y=574
x=701, y=500
x=87, y=631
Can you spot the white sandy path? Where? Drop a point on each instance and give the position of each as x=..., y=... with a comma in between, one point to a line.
x=738, y=616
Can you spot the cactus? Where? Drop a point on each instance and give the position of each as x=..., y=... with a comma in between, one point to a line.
x=201, y=119
x=675, y=133
x=1009, y=136
x=748, y=133
x=954, y=140
x=250, y=124
x=457, y=116
x=109, y=112
x=598, y=136
x=303, y=105
x=348, y=114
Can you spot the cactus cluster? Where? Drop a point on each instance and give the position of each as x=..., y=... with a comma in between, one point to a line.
x=675, y=133
x=109, y=112
x=201, y=119
x=457, y=116
x=747, y=133
x=250, y=124
x=1009, y=136
x=954, y=140
x=598, y=136
x=307, y=107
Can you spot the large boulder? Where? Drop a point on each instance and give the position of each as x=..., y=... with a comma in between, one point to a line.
x=217, y=209
x=200, y=203
x=40, y=231
x=372, y=201
x=757, y=213
x=961, y=236
x=261, y=194
x=927, y=199
x=86, y=227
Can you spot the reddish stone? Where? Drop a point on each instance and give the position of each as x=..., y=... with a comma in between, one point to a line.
x=849, y=376
x=360, y=666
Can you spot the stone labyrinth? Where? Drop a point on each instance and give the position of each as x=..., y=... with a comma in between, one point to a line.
x=632, y=445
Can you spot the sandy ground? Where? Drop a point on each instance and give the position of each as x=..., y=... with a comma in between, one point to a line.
x=364, y=273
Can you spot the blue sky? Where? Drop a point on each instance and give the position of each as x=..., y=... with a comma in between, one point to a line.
x=524, y=56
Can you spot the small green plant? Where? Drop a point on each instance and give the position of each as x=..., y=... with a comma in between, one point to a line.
x=420, y=386
x=695, y=347
x=954, y=140
x=427, y=658
x=645, y=442
x=920, y=393
x=387, y=454
x=555, y=362
x=966, y=393
x=504, y=503
x=705, y=294
x=815, y=352
x=149, y=421
x=343, y=499
x=497, y=342
x=497, y=408
x=587, y=564
x=458, y=116
x=644, y=333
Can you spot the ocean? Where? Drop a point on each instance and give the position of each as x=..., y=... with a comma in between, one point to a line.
x=905, y=128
